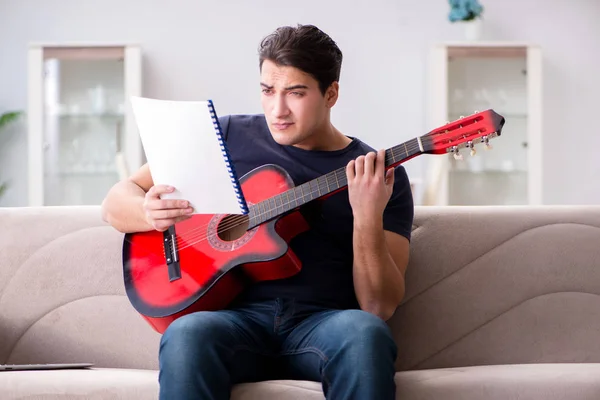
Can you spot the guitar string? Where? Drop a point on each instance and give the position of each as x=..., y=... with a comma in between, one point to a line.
x=233, y=222
x=200, y=234
x=243, y=219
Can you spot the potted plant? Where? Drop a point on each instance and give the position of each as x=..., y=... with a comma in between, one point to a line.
x=6, y=119
x=469, y=13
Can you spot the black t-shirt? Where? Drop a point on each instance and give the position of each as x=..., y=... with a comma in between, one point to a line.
x=325, y=250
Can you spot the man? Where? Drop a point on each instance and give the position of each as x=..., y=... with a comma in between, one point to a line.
x=327, y=323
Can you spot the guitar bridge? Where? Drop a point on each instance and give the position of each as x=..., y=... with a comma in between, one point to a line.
x=172, y=253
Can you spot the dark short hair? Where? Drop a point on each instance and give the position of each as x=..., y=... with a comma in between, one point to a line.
x=307, y=48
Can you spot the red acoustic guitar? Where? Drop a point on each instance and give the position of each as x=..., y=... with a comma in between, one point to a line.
x=204, y=262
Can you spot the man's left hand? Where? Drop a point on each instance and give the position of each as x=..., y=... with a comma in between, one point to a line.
x=369, y=186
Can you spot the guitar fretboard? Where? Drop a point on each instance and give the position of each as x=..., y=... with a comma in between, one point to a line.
x=321, y=186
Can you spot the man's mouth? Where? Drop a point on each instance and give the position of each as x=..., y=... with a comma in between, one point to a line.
x=281, y=126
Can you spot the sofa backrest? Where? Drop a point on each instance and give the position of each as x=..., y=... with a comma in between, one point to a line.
x=485, y=285
x=501, y=285
x=61, y=291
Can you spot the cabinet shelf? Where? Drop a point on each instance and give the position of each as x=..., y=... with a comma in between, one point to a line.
x=90, y=116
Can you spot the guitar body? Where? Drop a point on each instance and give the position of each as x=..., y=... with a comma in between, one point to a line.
x=214, y=263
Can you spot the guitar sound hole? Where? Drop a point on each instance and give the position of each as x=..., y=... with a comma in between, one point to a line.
x=232, y=227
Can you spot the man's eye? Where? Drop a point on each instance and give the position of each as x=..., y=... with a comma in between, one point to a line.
x=266, y=91
x=299, y=94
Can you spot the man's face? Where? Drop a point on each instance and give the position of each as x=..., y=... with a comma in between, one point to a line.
x=293, y=104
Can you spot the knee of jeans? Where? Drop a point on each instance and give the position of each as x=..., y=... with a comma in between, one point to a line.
x=189, y=330
x=366, y=332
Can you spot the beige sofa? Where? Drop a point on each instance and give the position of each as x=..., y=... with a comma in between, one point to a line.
x=502, y=303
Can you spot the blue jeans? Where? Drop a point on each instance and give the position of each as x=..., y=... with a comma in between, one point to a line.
x=351, y=352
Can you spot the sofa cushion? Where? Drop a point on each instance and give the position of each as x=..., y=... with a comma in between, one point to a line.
x=91, y=384
x=525, y=381
x=501, y=382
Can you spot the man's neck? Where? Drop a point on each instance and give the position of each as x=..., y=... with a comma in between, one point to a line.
x=328, y=138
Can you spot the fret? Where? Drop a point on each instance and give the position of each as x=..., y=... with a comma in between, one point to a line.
x=309, y=190
x=322, y=189
x=251, y=214
x=405, y=149
x=274, y=208
x=281, y=205
x=327, y=178
x=260, y=212
x=278, y=207
x=271, y=207
x=315, y=189
x=265, y=209
x=294, y=197
x=341, y=178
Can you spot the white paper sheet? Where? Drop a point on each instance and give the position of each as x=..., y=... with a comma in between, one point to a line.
x=183, y=150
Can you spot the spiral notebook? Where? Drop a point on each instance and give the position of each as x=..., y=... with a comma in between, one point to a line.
x=185, y=148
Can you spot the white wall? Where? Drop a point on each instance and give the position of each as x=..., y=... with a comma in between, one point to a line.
x=196, y=49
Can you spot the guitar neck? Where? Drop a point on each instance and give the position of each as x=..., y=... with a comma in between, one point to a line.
x=323, y=186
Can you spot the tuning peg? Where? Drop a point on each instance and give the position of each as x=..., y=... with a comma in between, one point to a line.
x=486, y=142
x=471, y=146
x=457, y=155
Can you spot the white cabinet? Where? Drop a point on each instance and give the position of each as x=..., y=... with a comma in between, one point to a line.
x=82, y=137
x=469, y=77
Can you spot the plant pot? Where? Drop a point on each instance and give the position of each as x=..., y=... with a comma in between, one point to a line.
x=473, y=29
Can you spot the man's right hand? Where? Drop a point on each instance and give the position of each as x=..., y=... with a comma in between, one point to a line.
x=162, y=213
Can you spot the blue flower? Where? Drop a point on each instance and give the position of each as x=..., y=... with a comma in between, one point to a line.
x=464, y=10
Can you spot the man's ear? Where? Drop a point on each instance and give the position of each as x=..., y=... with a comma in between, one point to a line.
x=332, y=93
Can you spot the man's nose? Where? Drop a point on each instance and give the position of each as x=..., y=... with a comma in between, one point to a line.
x=280, y=108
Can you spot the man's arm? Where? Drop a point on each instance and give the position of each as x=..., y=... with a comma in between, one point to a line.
x=134, y=205
x=380, y=261
x=380, y=256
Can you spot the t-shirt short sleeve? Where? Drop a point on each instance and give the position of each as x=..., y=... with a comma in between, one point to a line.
x=224, y=124
x=399, y=212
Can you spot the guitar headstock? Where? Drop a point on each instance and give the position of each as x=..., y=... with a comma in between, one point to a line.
x=465, y=132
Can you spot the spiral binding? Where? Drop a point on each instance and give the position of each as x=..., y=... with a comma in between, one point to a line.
x=226, y=157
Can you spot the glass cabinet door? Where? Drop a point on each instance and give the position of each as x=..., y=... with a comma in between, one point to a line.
x=478, y=82
x=84, y=117
x=84, y=125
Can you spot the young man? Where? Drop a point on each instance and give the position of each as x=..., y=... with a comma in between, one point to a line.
x=327, y=323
